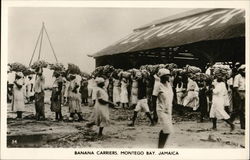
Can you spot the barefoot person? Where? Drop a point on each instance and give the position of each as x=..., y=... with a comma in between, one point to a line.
x=164, y=106
x=101, y=108
x=217, y=110
x=18, y=97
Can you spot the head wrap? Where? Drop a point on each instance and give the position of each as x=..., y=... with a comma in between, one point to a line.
x=99, y=80
x=163, y=72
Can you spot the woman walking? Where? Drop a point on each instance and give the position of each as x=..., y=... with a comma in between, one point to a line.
x=217, y=110
x=56, y=96
x=164, y=106
x=124, y=92
x=18, y=96
x=116, y=90
x=74, y=98
x=101, y=108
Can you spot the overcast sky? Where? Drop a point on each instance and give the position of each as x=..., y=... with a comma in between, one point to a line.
x=74, y=32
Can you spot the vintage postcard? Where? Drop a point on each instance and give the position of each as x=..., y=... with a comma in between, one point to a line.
x=125, y=80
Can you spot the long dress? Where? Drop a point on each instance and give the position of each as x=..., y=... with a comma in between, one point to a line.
x=74, y=98
x=134, y=92
x=179, y=93
x=217, y=109
x=192, y=98
x=124, y=92
x=56, y=95
x=101, y=110
x=116, y=91
x=18, y=96
x=164, y=107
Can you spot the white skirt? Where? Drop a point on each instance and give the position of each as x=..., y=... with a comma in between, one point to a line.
x=116, y=94
x=165, y=121
x=217, y=109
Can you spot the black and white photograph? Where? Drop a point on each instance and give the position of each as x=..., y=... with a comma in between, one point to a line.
x=132, y=80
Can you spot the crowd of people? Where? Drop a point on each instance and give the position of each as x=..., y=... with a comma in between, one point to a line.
x=155, y=90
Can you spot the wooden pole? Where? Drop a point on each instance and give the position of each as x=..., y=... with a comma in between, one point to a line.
x=41, y=42
x=39, y=36
x=50, y=44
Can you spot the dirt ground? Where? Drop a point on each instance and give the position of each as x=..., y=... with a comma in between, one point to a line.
x=65, y=134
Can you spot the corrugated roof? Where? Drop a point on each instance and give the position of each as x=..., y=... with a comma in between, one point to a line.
x=198, y=25
x=175, y=17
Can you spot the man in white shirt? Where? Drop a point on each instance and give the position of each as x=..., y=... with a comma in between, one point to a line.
x=239, y=88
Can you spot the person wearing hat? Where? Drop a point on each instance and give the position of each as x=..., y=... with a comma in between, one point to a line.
x=56, y=96
x=18, y=95
x=217, y=110
x=39, y=94
x=142, y=104
x=74, y=98
x=191, y=100
x=100, y=116
x=165, y=96
x=239, y=89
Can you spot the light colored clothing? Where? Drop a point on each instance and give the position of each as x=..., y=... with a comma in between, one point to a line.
x=208, y=71
x=134, y=92
x=239, y=81
x=192, y=97
x=116, y=91
x=179, y=93
x=101, y=110
x=39, y=84
x=30, y=90
x=124, y=92
x=74, y=99
x=156, y=85
x=217, y=109
x=164, y=107
x=142, y=105
x=11, y=77
x=18, y=97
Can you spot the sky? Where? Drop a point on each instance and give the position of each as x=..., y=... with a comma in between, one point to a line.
x=74, y=32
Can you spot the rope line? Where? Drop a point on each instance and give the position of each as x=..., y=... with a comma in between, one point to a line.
x=41, y=42
x=50, y=44
x=35, y=47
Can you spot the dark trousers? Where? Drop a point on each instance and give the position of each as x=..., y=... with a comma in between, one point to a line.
x=154, y=99
x=239, y=108
x=39, y=105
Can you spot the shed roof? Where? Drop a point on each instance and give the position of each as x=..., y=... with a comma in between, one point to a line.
x=188, y=27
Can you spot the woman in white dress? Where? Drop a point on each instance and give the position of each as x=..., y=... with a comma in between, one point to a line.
x=18, y=95
x=134, y=92
x=164, y=106
x=74, y=98
x=218, y=103
x=191, y=100
x=124, y=93
x=116, y=91
x=101, y=107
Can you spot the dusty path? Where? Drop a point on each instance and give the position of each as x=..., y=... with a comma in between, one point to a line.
x=188, y=133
